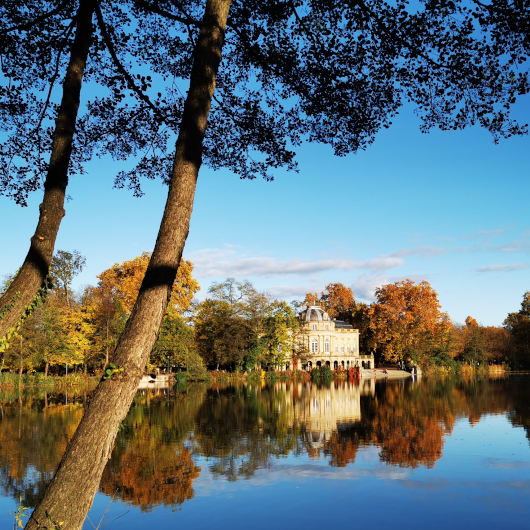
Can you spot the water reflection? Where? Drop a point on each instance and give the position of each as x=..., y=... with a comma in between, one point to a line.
x=241, y=429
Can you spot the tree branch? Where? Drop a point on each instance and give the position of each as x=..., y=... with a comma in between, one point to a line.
x=130, y=82
x=188, y=20
x=43, y=17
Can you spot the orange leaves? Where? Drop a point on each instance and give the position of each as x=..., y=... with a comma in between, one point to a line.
x=123, y=280
x=470, y=321
x=336, y=299
x=151, y=474
x=406, y=319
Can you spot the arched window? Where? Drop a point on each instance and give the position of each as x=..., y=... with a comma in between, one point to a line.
x=349, y=348
x=342, y=348
x=326, y=346
x=314, y=346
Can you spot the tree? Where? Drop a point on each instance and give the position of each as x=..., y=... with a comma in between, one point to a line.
x=123, y=281
x=281, y=334
x=383, y=55
x=65, y=265
x=338, y=301
x=518, y=325
x=29, y=140
x=174, y=344
x=406, y=320
x=109, y=305
x=223, y=338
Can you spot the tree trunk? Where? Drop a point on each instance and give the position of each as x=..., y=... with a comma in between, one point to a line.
x=71, y=492
x=46, y=368
x=25, y=286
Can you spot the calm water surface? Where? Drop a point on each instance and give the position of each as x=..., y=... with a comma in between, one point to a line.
x=400, y=454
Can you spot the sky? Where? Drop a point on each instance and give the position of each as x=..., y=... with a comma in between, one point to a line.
x=450, y=208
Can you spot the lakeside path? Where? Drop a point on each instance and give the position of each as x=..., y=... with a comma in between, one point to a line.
x=391, y=374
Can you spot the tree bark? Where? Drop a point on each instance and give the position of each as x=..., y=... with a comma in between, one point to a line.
x=70, y=495
x=25, y=286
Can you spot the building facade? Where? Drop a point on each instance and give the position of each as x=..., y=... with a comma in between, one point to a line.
x=330, y=342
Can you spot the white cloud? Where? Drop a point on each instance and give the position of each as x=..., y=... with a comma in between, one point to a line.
x=293, y=292
x=430, y=251
x=515, y=246
x=365, y=285
x=503, y=268
x=226, y=262
x=485, y=234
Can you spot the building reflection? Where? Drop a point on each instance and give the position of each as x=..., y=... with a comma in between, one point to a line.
x=321, y=412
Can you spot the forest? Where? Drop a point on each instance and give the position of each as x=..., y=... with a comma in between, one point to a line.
x=238, y=328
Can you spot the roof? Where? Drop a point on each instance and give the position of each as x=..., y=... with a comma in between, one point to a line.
x=314, y=313
x=340, y=324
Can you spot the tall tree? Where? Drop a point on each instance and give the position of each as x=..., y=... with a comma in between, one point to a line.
x=109, y=304
x=21, y=82
x=406, y=320
x=112, y=398
x=339, y=301
x=518, y=325
x=64, y=267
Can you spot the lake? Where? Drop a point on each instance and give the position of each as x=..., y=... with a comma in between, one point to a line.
x=399, y=454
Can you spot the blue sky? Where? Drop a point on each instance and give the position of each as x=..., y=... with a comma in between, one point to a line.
x=447, y=207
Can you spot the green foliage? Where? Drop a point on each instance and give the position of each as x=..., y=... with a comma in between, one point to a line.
x=174, y=344
x=518, y=325
x=326, y=372
x=443, y=359
x=64, y=267
x=39, y=299
x=195, y=367
x=315, y=374
x=112, y=370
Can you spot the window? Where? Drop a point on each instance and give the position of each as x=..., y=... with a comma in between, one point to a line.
x=349, y=348
x=314, y=327
x=326, y=346
x=336, y=347
x=342, y=348
x=327, y=327
x=314, y=346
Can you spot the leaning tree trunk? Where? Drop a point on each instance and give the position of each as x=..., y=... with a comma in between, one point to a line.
x=25, y=286
x=70, y=495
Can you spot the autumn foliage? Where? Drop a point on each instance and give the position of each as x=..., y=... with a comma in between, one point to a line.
x=406, y=320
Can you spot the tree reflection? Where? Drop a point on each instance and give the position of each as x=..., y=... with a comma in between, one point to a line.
x=242, y=429
x=150, y=466
x=34, y=432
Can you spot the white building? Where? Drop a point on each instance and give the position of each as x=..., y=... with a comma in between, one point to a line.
x=330, y=342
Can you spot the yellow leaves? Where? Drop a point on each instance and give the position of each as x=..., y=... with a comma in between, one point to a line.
x=123, y=280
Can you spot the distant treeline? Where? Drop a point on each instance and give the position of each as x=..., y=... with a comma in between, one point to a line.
x=239, y=328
